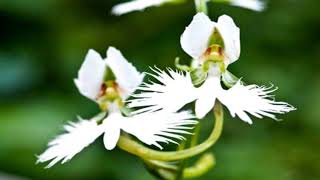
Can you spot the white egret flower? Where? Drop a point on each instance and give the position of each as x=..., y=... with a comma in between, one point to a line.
x=196, y=38
x=159, y=126
x=139, y=5
x=136, y=5
x=91, y=75
x=213, y=45
x=256, y=5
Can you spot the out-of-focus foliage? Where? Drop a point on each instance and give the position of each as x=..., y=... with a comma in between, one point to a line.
x=43, y=43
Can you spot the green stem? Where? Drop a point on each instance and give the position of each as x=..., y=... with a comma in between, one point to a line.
x=181, y=165
x=221, y=1
x=194, y=139
x=165, y=174
x=137, y=149
x=193, y=142
x=202, y=166
x=201, y=6
x=160, y=164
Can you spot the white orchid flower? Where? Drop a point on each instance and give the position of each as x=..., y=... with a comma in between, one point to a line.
x=213, y=45
x=160, y=126
x=140, y=5
x=256, y=5
x=136, y=5
x=94, y=68
x=196, y=38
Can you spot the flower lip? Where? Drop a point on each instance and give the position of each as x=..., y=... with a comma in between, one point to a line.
x=159, y=127
x=240, y=99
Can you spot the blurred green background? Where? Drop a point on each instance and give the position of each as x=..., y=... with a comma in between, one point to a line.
x=43, y=43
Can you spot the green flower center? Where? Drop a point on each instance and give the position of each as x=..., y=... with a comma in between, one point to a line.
x=109, y=94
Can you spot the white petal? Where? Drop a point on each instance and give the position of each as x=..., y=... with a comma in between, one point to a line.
x=90, y=75
x=207, y=95
x=230, y=34
x=78, y=136
x=127, y=76
x=112, y=130
x=154, y=127
x=252, y=99
x=195, y=39
x=173, y=92
x=256, y=5
x=135, y=5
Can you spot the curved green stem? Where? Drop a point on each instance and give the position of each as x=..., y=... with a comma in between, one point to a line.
x=137, y=149
x=165, y=174
x=202, y=166
x=194, y=139
x=201, y=6
x=160, y=164
x=221, y=1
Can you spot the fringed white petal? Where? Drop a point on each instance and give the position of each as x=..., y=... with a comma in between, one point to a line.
x=153, y=128
x=252, y=99
x=230, y=34
x=207, y=95
x=171, y=94
x=195, y=39
x=90, y=75
x=135, y=5
x=78, y=136
x=127, y=76
x=256, y=5
x=111, y=126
